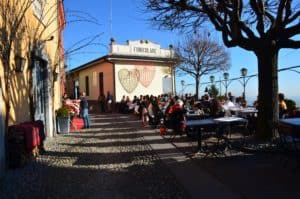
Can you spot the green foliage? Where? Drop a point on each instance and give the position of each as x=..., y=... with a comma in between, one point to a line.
x=63, y=112
x=291, y=105
x=213, y=91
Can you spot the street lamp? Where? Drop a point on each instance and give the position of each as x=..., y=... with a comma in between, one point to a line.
x=212, y=79
x=244, y=72
x=182, y=86
x=226, y=77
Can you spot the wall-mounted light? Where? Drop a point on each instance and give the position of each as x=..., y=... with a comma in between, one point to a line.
x=55, y=73
x=55, y=76
x=19, y=63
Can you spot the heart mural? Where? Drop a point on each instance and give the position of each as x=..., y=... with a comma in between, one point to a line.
x=128, y=79
x=146, y=74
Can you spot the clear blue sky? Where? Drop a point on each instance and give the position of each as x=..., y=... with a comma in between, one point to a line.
x=129, y=23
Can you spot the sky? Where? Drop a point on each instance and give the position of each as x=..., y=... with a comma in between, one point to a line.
x=124, y=20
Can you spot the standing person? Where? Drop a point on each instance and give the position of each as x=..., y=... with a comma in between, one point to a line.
x=84, y=110
x=109, y=100
x=231, y=97
x=102, y=100
x=144, y=111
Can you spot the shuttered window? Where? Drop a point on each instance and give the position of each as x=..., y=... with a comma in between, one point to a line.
x=87, y=86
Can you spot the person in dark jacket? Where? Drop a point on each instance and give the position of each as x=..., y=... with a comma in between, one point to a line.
x=84, y=110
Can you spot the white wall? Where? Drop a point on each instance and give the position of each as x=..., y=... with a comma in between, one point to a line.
x=139, y=79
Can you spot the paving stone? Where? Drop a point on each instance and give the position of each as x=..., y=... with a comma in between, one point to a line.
x=113, y=161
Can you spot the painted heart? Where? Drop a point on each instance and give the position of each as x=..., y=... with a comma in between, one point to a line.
x=128, y=79
x=146, y=74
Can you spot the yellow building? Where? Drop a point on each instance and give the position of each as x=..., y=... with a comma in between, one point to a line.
x=31, y=63
x=138, y=67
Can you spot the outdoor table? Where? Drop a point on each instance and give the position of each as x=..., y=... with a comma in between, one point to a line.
x=227, y=122
x=198, y=125
x=202, y=123
x=295, y=122
x=243, y=112
x=291, y=126
x=193, y=116
x=248, y=111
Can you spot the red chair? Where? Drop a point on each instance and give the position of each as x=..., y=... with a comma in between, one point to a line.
x=76, y=124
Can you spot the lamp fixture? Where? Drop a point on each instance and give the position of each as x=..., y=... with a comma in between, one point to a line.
x=226, y=75
x=212, y=78
x=244, y=72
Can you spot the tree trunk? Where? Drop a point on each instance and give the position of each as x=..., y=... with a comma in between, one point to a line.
x=197, y=87
x=267, y=92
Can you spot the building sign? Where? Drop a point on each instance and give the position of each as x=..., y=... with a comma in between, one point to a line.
x=141, y=48
x=144, y=50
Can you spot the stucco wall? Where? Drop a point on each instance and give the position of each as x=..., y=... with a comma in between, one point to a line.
x=138, y=79
x=93, y=74
x=19, y=88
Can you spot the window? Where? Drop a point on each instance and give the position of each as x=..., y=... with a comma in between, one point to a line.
x=101, y=89
x=87, y=90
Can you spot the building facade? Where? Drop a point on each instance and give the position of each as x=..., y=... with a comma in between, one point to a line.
x=138, y=67
x=31, y=64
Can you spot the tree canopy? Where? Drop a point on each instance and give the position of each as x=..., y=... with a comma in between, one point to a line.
x=199, y=54
x=242, y=23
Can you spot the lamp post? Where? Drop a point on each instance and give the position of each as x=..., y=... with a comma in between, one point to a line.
x=226, y=83
x=244, y=72
x=182, y=86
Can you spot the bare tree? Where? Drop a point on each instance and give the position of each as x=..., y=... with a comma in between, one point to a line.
x=199, y=55
x=261, y=26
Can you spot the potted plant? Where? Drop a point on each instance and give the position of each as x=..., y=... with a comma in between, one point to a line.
x=63, y=120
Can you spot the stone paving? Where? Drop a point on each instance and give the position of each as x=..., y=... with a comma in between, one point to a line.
x=109, y=160
x=118, y=158
x=258, y=174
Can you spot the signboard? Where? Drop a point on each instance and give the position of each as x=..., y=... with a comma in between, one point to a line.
x=141, y=48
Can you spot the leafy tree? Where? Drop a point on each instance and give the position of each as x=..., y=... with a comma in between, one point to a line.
x=213, y=91
x=199, y=55
x=260, y=26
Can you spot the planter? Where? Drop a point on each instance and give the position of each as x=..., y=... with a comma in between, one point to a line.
x=63, y=125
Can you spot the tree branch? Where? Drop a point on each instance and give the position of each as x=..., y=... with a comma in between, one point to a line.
x=289, y=43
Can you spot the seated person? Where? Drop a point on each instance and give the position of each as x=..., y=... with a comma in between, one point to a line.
x=177, y=117
x=282, y=106
x=216, y=108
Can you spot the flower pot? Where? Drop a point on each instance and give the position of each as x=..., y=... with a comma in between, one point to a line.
x=63, y=125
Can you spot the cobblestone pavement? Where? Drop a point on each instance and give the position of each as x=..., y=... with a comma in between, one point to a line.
x=251, y=174
x=110, y=160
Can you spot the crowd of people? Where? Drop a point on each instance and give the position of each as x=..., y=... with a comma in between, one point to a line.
x=170, y=108
x=151, y=109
